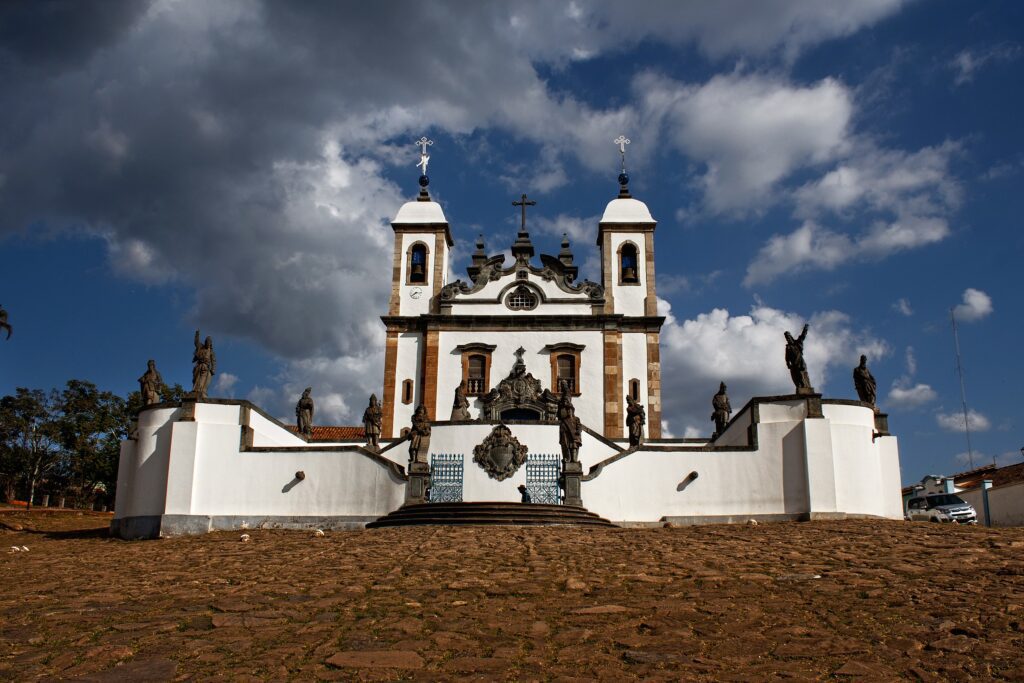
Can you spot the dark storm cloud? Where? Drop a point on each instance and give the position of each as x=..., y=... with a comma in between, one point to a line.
x=239, y=148
x=55, y=33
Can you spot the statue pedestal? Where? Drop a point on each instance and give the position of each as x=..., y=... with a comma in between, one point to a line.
x=881, y=423
x=419, y=483
x=569, y=480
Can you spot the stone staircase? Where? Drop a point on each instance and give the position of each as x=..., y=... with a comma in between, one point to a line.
x=506, y=514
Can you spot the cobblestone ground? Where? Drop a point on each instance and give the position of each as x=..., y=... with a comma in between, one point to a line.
x=820, y=600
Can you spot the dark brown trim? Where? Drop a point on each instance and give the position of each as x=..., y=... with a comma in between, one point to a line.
x=503, y=323
x=420, y=228
x=390, y=380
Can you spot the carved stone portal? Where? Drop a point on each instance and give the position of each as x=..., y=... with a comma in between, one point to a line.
x=500, y=454
x=519, y=397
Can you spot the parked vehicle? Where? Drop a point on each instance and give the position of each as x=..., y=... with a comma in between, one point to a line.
x=941, y=507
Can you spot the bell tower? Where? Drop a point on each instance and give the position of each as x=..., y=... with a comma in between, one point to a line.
x=419, y=271
x=632, y=351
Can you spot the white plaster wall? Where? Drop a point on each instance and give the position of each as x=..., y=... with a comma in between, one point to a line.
x=1006, y=505
x=145, y=463
x=477, y=485
x=634, y=366
x=407, y=366
x=588, y=405
x=493, y=295
x=493, y=288
x=736, y=434
x=408, y=305
x=219, y=413
x=648, y=485
x=781, y=411
x=629, y=299
x=228, y=482
x=267, y=433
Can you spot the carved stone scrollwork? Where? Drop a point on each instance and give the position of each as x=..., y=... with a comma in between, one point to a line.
x=519, y=394
x=500, y=454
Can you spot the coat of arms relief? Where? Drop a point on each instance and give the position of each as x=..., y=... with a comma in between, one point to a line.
x=500, y=454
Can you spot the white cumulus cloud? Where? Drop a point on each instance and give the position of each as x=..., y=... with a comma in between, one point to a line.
x=976, y=305
x=747, y=353
x=954, y=422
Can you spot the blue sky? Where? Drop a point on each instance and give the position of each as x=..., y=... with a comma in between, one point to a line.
x=233, y=166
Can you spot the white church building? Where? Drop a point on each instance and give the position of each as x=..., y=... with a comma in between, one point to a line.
x=517, y=334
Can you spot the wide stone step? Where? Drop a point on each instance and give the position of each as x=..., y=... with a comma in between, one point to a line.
x=489, y=513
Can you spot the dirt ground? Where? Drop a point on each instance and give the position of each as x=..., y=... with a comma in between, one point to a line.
x=852, y=600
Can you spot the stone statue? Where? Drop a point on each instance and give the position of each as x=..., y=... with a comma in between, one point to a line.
x=795, y=362
x=373, y=416
x=149, y=384
x=636, y=418
x=205, y=366
x=419, y=436
x=864, y=382
x=569, y=429
x=304, y=412
x=4, y=325
x=722, y=410
x=460, y=408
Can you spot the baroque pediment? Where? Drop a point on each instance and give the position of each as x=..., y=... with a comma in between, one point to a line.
x=552, y=270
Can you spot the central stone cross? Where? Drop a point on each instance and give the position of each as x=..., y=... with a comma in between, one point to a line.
x=523, y=202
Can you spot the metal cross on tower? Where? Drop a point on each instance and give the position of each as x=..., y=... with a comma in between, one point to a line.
x=523, y=202
x=622, y=141
x=423, y=142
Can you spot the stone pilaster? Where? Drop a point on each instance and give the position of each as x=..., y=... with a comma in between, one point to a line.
x=613, y=397
x=607, y=272
x=651, y=300
x=395, y=303
x=438, y=278
x=390, y=380
x=654, y=385
x=428, y=381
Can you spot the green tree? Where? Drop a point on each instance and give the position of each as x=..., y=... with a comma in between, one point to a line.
x=92, y=424
x=29, y=437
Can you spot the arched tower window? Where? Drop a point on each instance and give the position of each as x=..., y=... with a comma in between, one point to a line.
x=634, y=389
x=417, y=267
x=407, y=391
x=628, y=264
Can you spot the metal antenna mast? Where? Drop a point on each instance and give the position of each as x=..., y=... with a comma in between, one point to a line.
x=963, y=391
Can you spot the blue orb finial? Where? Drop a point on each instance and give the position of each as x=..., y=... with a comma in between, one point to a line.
x=424, y=181
x=623, y=179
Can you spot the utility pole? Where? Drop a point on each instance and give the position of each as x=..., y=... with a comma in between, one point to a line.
x=963, y=391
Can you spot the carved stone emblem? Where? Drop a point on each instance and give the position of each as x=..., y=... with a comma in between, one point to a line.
x=521, y=394
x=500, y=454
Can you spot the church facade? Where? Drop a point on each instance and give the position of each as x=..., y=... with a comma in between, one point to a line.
x=517, y=378
x=599, y=339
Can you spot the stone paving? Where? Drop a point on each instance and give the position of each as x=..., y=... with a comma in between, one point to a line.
x=851, y=600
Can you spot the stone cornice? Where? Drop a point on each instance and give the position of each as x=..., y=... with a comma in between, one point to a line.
x=502, y=323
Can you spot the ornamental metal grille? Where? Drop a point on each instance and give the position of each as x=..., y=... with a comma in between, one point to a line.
x=521, y=299
x=542, y=471
x=446, y=477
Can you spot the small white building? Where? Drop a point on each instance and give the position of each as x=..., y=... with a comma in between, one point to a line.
x=517, y=333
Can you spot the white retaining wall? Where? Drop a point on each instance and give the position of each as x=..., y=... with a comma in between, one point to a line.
x=183, y=471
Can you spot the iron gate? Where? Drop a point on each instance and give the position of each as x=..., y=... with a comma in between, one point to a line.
x=446, y=478
x=542, y=471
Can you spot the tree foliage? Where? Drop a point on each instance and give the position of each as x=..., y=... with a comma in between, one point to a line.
x=66, y=442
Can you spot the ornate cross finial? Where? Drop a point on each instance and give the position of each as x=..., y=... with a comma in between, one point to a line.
x=524, y=202
x=423, y=142
x=622, y=141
